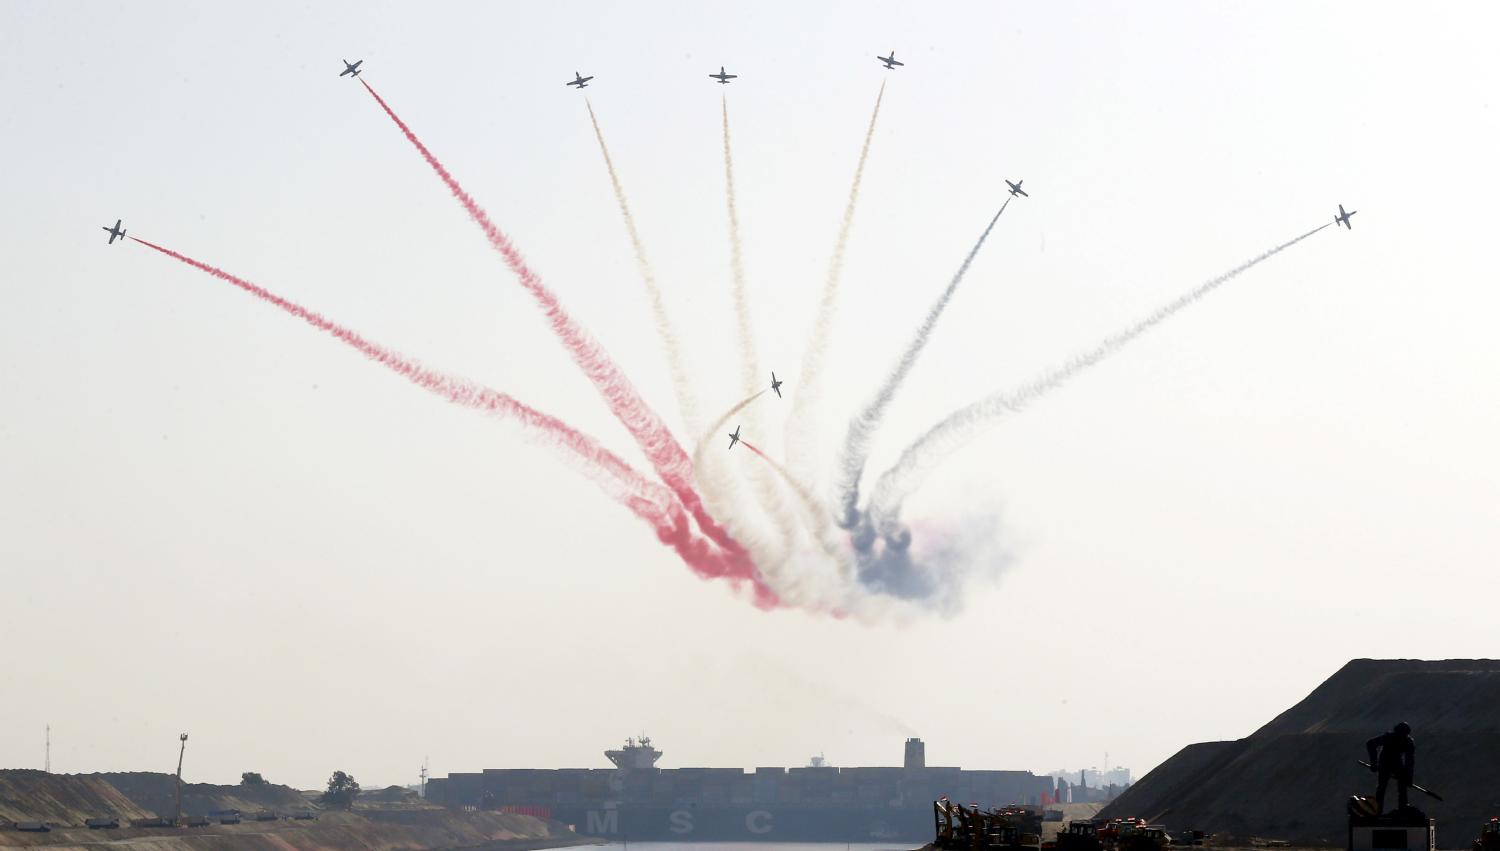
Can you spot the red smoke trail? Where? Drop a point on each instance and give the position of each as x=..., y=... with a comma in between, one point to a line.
x=645, y=499
x=663, y=451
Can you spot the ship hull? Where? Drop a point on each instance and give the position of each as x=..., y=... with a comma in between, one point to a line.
x=750, y=823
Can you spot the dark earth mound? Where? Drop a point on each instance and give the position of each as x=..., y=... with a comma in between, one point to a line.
x=1289, y=779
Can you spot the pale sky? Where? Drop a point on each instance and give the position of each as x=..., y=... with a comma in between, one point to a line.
x=216, y=519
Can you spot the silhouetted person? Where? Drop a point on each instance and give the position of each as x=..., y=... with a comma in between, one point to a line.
x=1393, y=755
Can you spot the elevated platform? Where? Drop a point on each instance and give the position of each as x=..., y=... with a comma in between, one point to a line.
x=1404, y=830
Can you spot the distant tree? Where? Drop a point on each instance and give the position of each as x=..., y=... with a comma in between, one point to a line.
x=252, y=778
x=342, y=789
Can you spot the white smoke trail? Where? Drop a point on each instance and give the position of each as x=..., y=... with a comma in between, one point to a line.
x=721, y=489
x=749, y=359
x=801, y=435
x=815, y=516
x=851, y=466
x=966, y=423
x=687, y=401
x=767, y=490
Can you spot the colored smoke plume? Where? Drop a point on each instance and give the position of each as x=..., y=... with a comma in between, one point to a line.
x=687, y=401
x=966, y=423
x=662, y=450
x=766, y=490
x=810, y=505
x=862, y=428
x=750, y=372
x=646, y=499
x=801, y=438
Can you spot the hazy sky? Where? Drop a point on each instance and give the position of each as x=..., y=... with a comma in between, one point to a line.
x=215, y=519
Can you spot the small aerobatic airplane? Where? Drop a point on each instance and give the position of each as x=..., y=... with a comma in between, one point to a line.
x=890, y=61
x=734, y=438
x=776, y=385
x=723, y=77
x=115, y=232
x=579, y=80
x=1343, y=218
x=351, y=70
x=1015, y=188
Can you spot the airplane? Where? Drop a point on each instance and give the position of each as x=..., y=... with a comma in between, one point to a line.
x=890, y=61
x=776, y=385
x=579, y=80
x=734, y=438
x=1015, y=188
x=723, y=77
x=116, y=232
x=1343, y=218
x=351, y=70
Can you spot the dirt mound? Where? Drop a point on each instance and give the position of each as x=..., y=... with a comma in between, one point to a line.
x=405, y=824
x=62, y=799
x=390, y=796
x=157, y=792
x=1289, y=779
x=430, y=830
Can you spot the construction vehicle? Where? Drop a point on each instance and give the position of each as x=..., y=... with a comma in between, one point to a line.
x=960, y=828
x=1150, y=837
x=1113, y=831
x=1489, y=836
x=1081, y=835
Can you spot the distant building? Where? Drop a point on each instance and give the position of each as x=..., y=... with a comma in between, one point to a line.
x=1090, y=785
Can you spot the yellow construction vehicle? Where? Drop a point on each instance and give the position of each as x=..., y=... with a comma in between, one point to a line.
x=960, y=828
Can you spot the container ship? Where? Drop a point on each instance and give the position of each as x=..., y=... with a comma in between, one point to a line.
x=636, y=800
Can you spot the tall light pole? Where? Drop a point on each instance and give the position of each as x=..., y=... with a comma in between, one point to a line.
x=177, y=820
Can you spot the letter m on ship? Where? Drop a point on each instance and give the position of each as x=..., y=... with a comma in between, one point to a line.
x=606, y=822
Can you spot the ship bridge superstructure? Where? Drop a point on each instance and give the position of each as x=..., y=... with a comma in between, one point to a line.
x=637, y=753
